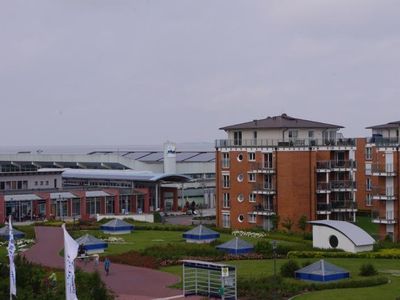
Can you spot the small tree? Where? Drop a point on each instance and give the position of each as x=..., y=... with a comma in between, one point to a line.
x=289, y=268
x=275, y=221
x=287, y=224
x=302, y=223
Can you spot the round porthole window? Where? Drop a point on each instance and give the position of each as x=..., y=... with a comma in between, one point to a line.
x=333, y=241
x=240, y=157
x=240, y=177
x=241, y=218
x=240, y=197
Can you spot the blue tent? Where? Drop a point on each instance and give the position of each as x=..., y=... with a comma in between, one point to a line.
x=322, y=271
x=236, y=246
x=117, y=226
x=4, y=233
x=91, y=244
x=200, y=234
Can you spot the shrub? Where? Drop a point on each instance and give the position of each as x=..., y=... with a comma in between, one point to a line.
x=135, y=258
x=367, y=270
x=264, y=247
x=157, y=217
x=288, y=268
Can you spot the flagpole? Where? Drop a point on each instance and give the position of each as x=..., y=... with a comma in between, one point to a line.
x=11, y=251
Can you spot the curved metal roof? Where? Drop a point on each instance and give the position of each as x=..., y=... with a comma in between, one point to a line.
x=358, y=236
x=123, y=175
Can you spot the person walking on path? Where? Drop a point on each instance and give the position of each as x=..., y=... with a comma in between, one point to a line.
x=96, y=260
x=107, y=265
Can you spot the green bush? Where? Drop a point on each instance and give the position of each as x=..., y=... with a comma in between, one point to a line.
x=367, y=270
x=157, y=217
x=288, y=269
x=264, y=247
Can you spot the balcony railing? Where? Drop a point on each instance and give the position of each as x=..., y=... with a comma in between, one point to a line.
x=283, y=143
x=324, y=207
x=382, y=141
x=264, y=209
x=387, y=217
x=344, y=205
x=383, y=170
x=323, y=187
x=264, y=167
x=336, y=164
x=382, y=193
x=264, y=188
x=343, y=185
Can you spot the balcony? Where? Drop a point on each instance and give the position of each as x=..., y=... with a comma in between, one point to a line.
x=343, y=186
x=264, y=189
x=263, y=210
x=284, y=143
x=323, y=187
x=344, y=206
x=336, y=165
x=385, y=194
x=324, y=208
x=264, y=168
x=387, y=218
x=383, y=141
x=383, y=170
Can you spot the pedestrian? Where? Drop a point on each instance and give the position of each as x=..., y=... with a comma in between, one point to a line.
x=107, y=265
x=53, y=280
x=96, y=260
x=193, y=207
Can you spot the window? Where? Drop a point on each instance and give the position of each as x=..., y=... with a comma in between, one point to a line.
x=225, y=160
x=226, y=200
x=237, y=138
x=293, y=134
x=368, y=169
x=41, y=182
x=47, y=182
x=226, y=220
x=240, y=197
x=252, y=177
x=255, y=135
x=252, y=218
x=310, y=134
x=252, y=197
x=252, y=156
x=369, y=184
x=240, y=178
x=368, y=153
x=225, y=181
x=368, y=200
x=268, y=161
x=240, y=157
x=241, y=218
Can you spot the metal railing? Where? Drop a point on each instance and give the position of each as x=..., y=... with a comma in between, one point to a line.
x=383, y=216
x=383, y=141
x=344, y=205
x=383, y=192
x=324, y=207
x=264, y=208
x=265, y=166
x=336, y=164
x=383, y=168
x=343, y=184
x=264, y=187
x=224, y=143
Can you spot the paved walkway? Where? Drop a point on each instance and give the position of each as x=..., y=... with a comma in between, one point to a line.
x=127, y=282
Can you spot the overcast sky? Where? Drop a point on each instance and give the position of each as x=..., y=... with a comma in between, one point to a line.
x=104, y=72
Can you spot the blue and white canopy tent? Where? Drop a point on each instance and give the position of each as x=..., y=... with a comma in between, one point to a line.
x=4, y=233
x=200, y=234
x=322, y=271
x=117, y=226
x=236, y=246
x=91, y=244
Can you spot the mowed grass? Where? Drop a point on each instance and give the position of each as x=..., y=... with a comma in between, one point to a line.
x=255, y=268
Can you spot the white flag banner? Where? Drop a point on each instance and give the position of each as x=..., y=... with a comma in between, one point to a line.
x=11, y=251
x=70, y=253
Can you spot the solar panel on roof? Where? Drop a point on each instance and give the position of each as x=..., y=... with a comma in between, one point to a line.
x=136, y=155
x=181, y=156
x=152, y=157
x=203, y=157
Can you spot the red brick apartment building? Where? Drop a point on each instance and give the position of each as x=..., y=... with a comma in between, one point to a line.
x=283, y=168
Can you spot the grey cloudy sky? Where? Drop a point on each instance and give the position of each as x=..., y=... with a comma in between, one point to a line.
x=104, y=72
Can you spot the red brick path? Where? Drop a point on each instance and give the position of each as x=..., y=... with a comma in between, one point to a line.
x=127, y=282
